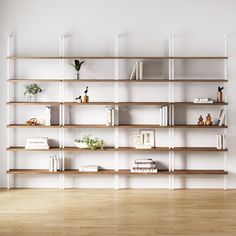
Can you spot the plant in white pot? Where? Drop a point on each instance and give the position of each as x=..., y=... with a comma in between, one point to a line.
x=89, y=142
x=31, y=91
x=77, y=67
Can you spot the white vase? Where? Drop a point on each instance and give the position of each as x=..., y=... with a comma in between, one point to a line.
x=81, y=145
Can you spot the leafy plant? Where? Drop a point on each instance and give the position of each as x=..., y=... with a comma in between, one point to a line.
x=32, y=89
x=92, y=143
x=78, y=65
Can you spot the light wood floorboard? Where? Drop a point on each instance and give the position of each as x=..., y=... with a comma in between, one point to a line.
x=117, y=212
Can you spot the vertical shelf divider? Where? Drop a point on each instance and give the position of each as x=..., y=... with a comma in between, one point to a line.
x=116, y=112
x=9, y=39
x=226, y=111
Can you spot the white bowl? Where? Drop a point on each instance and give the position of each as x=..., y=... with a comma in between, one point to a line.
x=81, y=145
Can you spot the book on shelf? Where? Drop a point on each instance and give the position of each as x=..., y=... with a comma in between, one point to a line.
x=144, y=166
x=110, y=116
x=37, y=143
x=164, y=116
x=54, y=163
x=88, y=168
x=202, y=100
x=221, y=117
x=220, y=141
x=47, y=116
x=137, y=71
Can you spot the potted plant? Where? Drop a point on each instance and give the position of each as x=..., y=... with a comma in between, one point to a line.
x=89, y=142
x=77, y=67
x=31, y=91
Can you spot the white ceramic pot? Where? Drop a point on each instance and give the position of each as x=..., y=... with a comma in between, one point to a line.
x=81, y=145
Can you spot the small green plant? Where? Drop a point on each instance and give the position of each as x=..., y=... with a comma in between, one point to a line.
x=77, y=65
x=32, y=89
x=92, y=143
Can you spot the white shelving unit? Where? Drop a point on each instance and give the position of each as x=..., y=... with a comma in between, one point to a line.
x=171, y=172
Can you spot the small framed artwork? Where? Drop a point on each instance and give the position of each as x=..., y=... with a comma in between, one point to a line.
x=148, y=137
x=137, y=140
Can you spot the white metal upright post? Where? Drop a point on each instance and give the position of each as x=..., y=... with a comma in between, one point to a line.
x=9, y=38
x=116, y=98
x=62, y=112
x=225, y=132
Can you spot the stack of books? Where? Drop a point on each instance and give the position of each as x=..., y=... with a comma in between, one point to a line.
x=144, y=166
x=88, y=168
x=220, y=141
x=164, y=116
x=202, y=100
x=37, y=143
x=137, y=72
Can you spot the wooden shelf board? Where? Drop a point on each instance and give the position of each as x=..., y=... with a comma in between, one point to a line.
x=200, y=127
x=117, y=103
x=200, y=172
x=22, y=149
x=198, y=149
x=113, y=57
x=120, y=149
x=201, y=58
x=32, y=172
x=201, y=104
x=119, y=81
x=34, y=103
x=32, y=127
x=116, y=126
x=113, y=172
x=200, y=80
x=34, y=80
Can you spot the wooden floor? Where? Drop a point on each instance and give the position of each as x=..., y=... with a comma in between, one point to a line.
x=117, y=212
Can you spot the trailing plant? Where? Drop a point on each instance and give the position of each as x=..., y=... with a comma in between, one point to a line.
x=92, y=143
x=78, y=65
x=32, y=89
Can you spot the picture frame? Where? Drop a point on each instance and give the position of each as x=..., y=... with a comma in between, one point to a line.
x=137, y=140
x=148, y=137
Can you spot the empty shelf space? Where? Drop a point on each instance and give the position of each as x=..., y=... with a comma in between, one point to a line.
x=200, y=172
x=200, y=127
x=198, y=149
x=118, y=103
x=32, y=126
x=34, y=103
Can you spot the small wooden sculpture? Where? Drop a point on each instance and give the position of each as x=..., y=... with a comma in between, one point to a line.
x=86, y=97
x=32, y=122
x=208, y=120
x=220, y=94
x=200, y=120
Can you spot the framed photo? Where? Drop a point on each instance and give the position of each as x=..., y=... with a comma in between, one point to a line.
x=148, y=137
x=137, y=140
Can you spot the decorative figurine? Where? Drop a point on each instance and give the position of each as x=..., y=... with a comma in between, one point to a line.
x=200, y=121
x=79, y=99
x=208, y=120
x=86, y=97
x=220, y=94
x=32, y=122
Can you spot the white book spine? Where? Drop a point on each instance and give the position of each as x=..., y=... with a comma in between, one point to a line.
x=141, y=70
x=55, y=164
x=161, y=111
x=108, y=116
x=223, y=141
x=47, y=115
x=221, y=117
x=51, y=164
x=113, y=117
x=137, y=70
x=132, y=76
x=218, y=141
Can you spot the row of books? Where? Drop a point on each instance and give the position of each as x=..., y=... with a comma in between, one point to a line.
x=110, y=116
x=54, y=163
x=144, y=166
x=164, y=116
x=137, y=72
x=202, y=100
x=220, y=141
x=37, y=143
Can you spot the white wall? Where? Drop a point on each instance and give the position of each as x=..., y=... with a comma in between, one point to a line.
x=144, y=26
